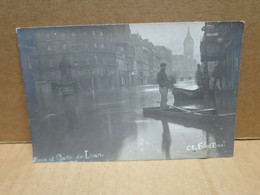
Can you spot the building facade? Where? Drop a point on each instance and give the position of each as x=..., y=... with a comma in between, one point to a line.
x=147, y=60
x=124, y=54
x=94, y=57
x=221, y=44
x=89, y=50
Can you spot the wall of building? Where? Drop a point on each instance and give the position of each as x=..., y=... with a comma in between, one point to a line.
x=99, y=56
x=221, y=43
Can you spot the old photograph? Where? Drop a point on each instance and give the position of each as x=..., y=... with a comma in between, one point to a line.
x=141, y=91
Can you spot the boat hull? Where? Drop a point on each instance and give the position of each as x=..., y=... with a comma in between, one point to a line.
x=190, y=95
x=184, y=94
x=205, y=121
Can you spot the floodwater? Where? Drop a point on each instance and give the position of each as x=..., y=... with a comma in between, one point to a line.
x=108, y=125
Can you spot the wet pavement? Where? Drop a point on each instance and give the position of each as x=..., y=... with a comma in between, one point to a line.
x=109, y=125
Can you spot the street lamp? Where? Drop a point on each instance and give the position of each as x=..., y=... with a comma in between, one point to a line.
x=76, y=64
x=132, y=78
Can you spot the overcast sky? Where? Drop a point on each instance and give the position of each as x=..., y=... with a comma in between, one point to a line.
x=171, y=35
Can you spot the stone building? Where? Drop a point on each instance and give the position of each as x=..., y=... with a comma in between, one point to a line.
x=141, y=59
x=124, y=54
x=94, y=54
x=221, y=44
x=94, y=57
x=148, y=58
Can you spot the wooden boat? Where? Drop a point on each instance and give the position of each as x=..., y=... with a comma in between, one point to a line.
x=197, y=118
x=185, y=94
x=65, y=88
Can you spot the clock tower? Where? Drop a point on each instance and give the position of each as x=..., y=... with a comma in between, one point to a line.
x=188, y=45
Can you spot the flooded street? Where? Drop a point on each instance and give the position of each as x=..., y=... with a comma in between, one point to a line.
x=109, y=125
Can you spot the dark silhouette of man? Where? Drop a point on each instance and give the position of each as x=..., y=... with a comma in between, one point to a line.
x=163, y=85
x=198, y=76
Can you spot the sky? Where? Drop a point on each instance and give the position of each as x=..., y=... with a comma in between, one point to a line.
x=171, y=35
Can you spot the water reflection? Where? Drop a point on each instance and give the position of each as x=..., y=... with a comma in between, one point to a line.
x=111, y=122
x=166, y=139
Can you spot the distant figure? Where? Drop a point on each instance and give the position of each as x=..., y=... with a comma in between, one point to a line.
x=163, y=85
x=198, y=76
x=218, y=74
x=172, y=81
x=65, y=69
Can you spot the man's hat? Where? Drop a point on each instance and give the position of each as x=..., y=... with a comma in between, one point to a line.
x=163, y=65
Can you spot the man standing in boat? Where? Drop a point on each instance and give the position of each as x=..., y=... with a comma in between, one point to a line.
x=163, y=85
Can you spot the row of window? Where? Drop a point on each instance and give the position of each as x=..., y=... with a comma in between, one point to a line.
x=53, y=75
x=88, y=60
x=64, y=47
x=73, y=35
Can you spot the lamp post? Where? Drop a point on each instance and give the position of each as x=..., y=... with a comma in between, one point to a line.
x=206, y=75
x=132, y=78
x=76, y=64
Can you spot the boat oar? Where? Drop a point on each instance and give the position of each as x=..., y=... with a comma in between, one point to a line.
x=178, y=108
x=204, y=110
x=191, y=111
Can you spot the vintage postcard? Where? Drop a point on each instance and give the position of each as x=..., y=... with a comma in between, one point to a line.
x=143, y=91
